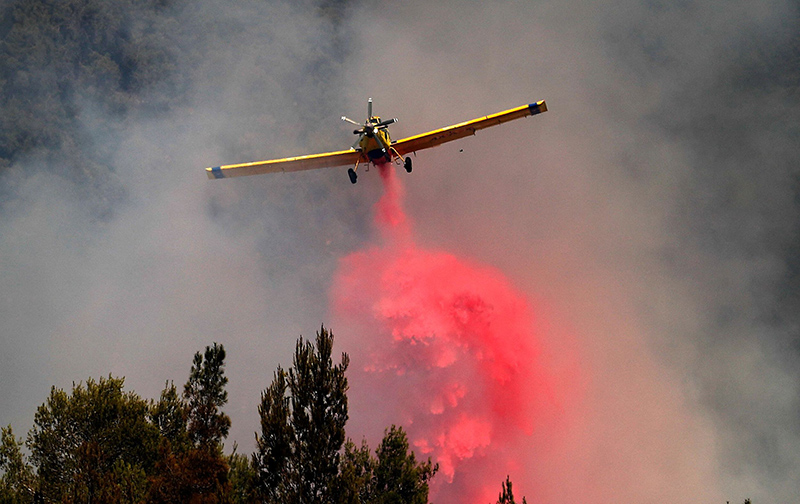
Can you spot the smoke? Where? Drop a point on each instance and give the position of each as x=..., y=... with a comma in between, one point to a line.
x=177, y=261
x=450, y=350
x=447, y=349
x=647, y=224
x=649, y=215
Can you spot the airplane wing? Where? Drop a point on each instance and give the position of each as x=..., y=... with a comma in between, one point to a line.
x=461, y=130
x=310, y=162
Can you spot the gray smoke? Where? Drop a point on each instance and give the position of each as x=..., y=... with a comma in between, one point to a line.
x=651, y=213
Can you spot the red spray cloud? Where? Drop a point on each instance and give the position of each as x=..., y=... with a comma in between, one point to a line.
x=444, y=347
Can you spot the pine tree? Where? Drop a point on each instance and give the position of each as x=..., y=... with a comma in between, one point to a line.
x=170, y=415
x=273, y=457
x=301, y=453
x=356, y=483
x=16, y=475
x=298, y=450
x=242, y=476
x=398, y=478
x=191, y=466
x=507, y=495
x=205, y=395
x=95, y=444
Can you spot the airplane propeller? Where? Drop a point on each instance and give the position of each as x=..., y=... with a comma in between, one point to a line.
x=368, y=128
x=347, y=119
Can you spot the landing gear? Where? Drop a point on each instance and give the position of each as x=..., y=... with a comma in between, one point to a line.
x=353, y=177
x=407, y=164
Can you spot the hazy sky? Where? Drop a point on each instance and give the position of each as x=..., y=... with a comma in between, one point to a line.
x=650, y=217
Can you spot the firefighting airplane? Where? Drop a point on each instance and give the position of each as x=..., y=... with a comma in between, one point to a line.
x=374, y=145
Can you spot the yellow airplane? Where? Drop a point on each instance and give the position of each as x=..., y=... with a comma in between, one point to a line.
x=374, y=145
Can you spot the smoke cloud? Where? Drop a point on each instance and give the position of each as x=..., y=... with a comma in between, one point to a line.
x=645, y=228
x=179, y=261
x=448, y=350
x=648, y=215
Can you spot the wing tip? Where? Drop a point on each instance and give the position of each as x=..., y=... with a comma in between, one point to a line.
x=215, y=172
x=538, y=107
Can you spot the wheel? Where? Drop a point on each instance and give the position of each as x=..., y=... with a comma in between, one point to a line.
x=407, y=164
x=353, y=177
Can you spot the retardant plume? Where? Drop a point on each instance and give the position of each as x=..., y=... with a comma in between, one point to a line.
x=452, y=343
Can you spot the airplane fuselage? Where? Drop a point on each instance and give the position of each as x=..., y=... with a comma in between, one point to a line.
x=376, y=151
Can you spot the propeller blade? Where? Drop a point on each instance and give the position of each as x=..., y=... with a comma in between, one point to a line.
x=347, y=119
x=385, y=123
x=369, y=109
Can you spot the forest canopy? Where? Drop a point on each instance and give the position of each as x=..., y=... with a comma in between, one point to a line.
x=101, y=443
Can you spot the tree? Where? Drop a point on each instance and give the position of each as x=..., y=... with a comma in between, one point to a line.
x=94, y=445
x=398, y=479
x=300, y=456
x=100, y=444
x=298, y=451
x=17, y=480
x=242, y=477
x=191, y=467
x=392, y=476
x=356, y=474
x=273, y=455
x=319, y=414
x=205, y=395
x=507, y=495
x=170, y=414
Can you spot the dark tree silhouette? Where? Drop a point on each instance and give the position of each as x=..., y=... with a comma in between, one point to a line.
x=507, y=495
x=303, y=414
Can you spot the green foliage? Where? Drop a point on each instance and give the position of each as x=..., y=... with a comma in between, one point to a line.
x=17, y=480
x=190, y=464
x=242, y=476
x=397, y=476
x=96, y=443
x=205, y=395
x=197, y=475
x=170, y=414
x=356, y=471
x=319, y=413
x=297, y=456
x=274, y=446
x=301, y=452
x=102, y=444
x=72, y=68
x=393, y=476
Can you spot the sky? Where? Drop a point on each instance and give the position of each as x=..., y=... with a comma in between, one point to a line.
x=649, y=220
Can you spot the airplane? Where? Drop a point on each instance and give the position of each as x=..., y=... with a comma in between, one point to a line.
x=375, y=146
